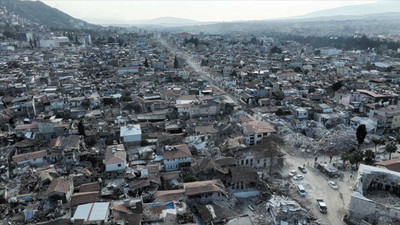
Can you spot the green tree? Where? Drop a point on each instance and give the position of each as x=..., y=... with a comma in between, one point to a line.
x=126, y=96
x=336, y=86
x=111, y=40
x=377, y=142
x=355, y=157
x=176, y=63
x=298, y=69
x=391, y=148
x=361, y=134
x=345, y=157
x=369, y=157
x=81, y=128
x=276, y=49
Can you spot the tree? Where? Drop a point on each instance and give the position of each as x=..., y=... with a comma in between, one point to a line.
x=126, y=96
x=391, y=148
x=276, y=49
x=298, y=69
x=111, y=40
x=336, y=86
x=355, y=157
x=378, y=141
x=369, y=157
x=81, y=128
x=176, y=63
x=146, y=63
x=361, y=134
x=345, y=157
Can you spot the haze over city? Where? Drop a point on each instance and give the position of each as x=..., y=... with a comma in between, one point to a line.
x=131, y=10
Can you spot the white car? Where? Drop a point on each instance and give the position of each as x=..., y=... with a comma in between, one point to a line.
x=333, y=185
x=298, y=177
x=292, y=173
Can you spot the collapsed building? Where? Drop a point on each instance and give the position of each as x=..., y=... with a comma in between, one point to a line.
x=286, y=211
x=376, y=196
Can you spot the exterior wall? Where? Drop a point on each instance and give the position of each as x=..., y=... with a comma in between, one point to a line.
x=127, y=70
x=360, y=208
x=207, y=198
x=396, y=122
x=252, y=139
x=172, y=164
x=265, y=162
x=115, y=167
x=246, y=194
x=133, y=138
x=45, y=127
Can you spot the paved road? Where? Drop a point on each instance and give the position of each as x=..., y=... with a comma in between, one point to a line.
x=190, y=63
x=316, y=185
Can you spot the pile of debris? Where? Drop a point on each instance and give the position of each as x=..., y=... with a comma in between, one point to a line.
x=313, y=137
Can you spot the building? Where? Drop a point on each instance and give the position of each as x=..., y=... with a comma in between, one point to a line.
x=131, y=134
x=32, y=158
x=205, y=191
x=177, y=157
x=254, y=131
x=115, y=158
x=93, y=213
x=367, y=203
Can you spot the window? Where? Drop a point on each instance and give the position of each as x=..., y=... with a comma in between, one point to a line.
x=119, y=165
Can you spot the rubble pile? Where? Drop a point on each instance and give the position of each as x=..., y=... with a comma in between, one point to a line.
x=314, y=137
x=383, y=197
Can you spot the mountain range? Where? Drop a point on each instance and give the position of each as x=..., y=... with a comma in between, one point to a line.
x=38, y=12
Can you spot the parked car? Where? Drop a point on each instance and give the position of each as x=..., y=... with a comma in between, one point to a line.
x=292, y=173
x=333, y=185
x=302, y=169
x=301, y=190
x=251, y=207
x=298, y=177
x=322, y=206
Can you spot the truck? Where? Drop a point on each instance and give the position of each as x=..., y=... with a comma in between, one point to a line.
x=321, y=205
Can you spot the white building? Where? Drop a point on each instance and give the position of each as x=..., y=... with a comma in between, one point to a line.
x=176, y=156
x=254, y=131
x=126, y=70
x=131, y=134
x=115, y=158
x=97, y=212
x=53, y=42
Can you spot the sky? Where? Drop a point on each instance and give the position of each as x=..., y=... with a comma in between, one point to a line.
x=103, y=11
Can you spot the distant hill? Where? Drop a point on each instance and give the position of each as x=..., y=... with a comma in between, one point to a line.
x=168, y=22
x=43, y=14
x=356, y=10
x=380, y=23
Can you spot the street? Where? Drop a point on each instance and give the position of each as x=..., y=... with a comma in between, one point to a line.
x=316, y=185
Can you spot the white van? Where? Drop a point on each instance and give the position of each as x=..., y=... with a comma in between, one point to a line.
x=301, y=190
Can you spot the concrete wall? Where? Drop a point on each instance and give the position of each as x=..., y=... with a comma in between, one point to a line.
x=115, y=167
x=172, y=164
x=360, y=208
